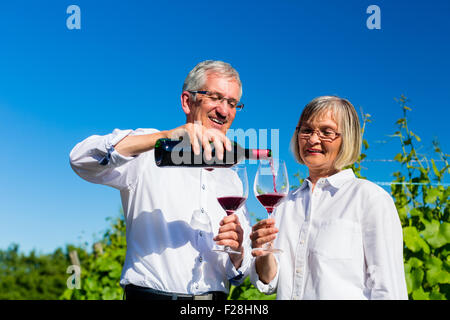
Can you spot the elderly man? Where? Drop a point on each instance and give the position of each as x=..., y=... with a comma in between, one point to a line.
x=167, y=257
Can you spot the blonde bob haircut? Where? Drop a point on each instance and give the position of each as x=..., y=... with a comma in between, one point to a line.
x=344, y=114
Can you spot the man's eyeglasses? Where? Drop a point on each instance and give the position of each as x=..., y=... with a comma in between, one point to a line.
x=216, y=98
x=324, y=135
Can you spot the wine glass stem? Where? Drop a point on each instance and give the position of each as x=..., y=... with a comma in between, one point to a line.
x=267, y=246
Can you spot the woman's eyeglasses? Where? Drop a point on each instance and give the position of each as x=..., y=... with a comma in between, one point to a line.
x=323, y=134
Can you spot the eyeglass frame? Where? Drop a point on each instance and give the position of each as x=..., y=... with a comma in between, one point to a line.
x=239, y=106
x=318, y=131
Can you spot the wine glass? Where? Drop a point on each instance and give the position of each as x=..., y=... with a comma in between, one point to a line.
x=270, y=187
x=232, y=194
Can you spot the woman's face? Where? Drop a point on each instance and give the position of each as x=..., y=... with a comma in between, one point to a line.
x=320, y=155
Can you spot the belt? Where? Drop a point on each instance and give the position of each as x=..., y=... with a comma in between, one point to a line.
x=133, y=292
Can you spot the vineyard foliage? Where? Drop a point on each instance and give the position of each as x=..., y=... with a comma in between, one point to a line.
x=422, y=204
x=101, y=270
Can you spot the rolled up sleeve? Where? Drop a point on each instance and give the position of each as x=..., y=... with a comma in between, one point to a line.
x=95, y=159
x=266, y=288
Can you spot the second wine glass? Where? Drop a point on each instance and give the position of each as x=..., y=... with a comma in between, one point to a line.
x=270, y=187
x=232, y=193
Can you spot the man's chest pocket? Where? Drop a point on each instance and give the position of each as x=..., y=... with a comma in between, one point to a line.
x=335, y=239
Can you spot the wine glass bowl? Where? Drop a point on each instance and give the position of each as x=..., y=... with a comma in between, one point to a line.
x=232, y=194
x=231, y=203
x=271, y=185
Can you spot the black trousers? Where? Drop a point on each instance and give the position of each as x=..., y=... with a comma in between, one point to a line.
x=133, y=292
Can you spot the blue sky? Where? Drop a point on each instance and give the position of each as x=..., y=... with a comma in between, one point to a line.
x=125, y=68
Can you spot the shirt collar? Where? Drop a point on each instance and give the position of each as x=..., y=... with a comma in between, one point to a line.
x=306, y=183
x=336, y=180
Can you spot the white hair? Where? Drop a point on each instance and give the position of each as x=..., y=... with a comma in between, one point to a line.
x=196, y=78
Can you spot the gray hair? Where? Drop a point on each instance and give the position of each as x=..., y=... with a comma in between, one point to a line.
x=348, y=124
x=196, y=78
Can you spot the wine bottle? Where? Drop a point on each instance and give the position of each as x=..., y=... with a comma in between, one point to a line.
x=179, y=153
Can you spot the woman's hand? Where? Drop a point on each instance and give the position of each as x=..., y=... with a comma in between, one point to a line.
x=262, y=232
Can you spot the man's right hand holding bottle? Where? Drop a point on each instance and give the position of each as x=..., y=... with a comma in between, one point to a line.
x=200, y=138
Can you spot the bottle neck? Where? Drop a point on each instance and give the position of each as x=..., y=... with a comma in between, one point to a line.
x=258, y=154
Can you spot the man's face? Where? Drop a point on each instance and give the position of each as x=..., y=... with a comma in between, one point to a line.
x=213, y=114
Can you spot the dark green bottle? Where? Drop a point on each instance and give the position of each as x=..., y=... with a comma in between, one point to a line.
x=179, y=153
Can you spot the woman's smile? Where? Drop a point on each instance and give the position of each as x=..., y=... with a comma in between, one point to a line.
x=313, y=151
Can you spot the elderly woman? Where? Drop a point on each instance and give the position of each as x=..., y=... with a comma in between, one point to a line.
x=341, y=236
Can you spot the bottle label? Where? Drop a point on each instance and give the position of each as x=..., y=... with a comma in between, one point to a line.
x=261, y=154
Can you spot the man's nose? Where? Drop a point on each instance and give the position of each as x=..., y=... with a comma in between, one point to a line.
x=223, y=109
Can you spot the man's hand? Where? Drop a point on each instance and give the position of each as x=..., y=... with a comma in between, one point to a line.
x=200, y=137
x=231, y=234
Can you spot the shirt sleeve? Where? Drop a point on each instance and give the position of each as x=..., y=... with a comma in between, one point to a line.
x=237, y=276
x=268, y=288
x=383, y=249
x=95, y=159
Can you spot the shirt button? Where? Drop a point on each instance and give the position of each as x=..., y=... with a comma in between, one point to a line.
x=302, y=241
x=203, y=187
x=299, y=270
x=202, y=210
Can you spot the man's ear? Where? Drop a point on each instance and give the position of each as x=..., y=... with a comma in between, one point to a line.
x=186, y=102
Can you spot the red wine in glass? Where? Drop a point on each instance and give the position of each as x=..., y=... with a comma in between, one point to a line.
x=231, y=204
x=270, y=187
x=232, y=193
x=270, y=200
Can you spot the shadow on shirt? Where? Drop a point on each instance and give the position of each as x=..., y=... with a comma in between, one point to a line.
x=152, y=234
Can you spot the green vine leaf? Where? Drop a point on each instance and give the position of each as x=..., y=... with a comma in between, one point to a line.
x=436, y=234
x=432, y=195
x=420, y=294
x=414, y=241
x=416, y=212
x=435, y=273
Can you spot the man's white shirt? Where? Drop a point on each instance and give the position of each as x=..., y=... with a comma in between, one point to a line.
x=164, y=251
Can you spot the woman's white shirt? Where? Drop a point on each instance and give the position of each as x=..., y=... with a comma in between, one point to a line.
x=341, y=241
